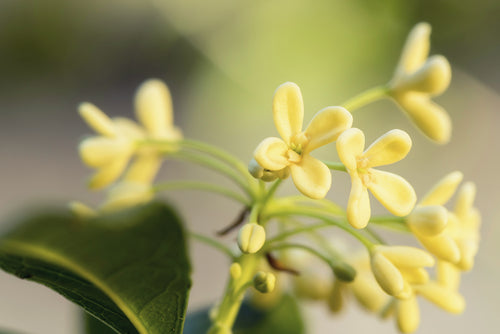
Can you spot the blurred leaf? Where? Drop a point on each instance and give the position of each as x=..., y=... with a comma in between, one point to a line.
x=284, y=318
x=129, y=269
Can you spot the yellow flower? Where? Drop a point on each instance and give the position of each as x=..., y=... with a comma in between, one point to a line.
x=394, y=192
x=429, y=220
x=464, y=224
x=110, y=152
x=417, y=78
x=396, y=268
x=311, y=176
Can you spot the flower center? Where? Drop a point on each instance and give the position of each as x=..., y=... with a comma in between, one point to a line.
x=364, y=171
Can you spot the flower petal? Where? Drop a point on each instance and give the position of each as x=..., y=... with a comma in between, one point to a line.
x=326, y=126
x=429, y=117
x=447, y=299
x=128, y=128
x=408, y=315
x=350, y=145
x=443, y=247
x=96, y=119
x=448, y=275
x=144, y=168
x=99, y=151
x=358, y=206
x=288, y=110
x=393, y=192
x=387, y=149
x=443, y=190
x=271, y=154
x=465, y=199
x=406, y=256
x=415, y=50
x=153, y=106
x=107, y=174
x=312, y=177
x=432, y=78
x=387, y=275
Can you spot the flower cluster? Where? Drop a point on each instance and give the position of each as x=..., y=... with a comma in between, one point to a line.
x=385, y=279
x=119, y=140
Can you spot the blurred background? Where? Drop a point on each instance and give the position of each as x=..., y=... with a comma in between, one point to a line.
x=222, y=60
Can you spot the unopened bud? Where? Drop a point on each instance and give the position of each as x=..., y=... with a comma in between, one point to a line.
x=428, y=220
x=251, y=238
x=264, y=282
x=235, y=271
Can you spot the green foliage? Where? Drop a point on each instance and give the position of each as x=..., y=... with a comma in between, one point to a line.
x=129, y=269
x=284, y=318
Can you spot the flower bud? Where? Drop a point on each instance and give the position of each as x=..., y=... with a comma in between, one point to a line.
x=428, y=220
x=264, y=281
x=235, y=271
x=251, y=238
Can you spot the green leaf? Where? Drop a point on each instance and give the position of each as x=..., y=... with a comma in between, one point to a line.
x=129, y=269
x=284, y=318
x=95, y=326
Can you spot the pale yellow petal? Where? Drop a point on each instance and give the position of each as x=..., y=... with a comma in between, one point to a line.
x=153, y=106
x=465, y=199
x=416, y=48
x=442, y=246
x=368, y=293
x=96, y=119
x=429, y=117
x=408, y=315
x=468, y=250
x=350, y=146
x=288, y=110
x=443, y=190
x=326, y=126
x=406, y=256
x=311, y=177
x=448, y=275
x=271, y=154
x=428, y=220
x=387, y=149
x=415, y=275
x=144, y=168
x=393, y=191
x=446, y=299
x=107, y=174
x=358, y=206
x=432, y=78
x=128, y=128
x=387, y=275
x=99, y=151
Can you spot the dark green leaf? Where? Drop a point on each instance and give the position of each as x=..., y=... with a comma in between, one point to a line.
x=95, y=326
x=284, y=318
x=129, y=269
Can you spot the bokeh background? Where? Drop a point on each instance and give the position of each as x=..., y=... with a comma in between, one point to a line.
x=223, y=60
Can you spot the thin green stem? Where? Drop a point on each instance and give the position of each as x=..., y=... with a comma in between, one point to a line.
x=391, y=222
x=366, y=97
x=335, y=166
x=374, y=235
x=316, y=213
x=213, y=243
x=290, y=233
x=214, y=165
x=196, y=185
x=272, y=190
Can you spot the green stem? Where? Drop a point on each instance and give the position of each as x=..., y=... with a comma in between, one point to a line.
x=291, y=233
x=213, y=243
x=316, y=213
x=366, y=97
x=214, y=165
x=301, y=246
x=335, y=166
x=195, y=185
